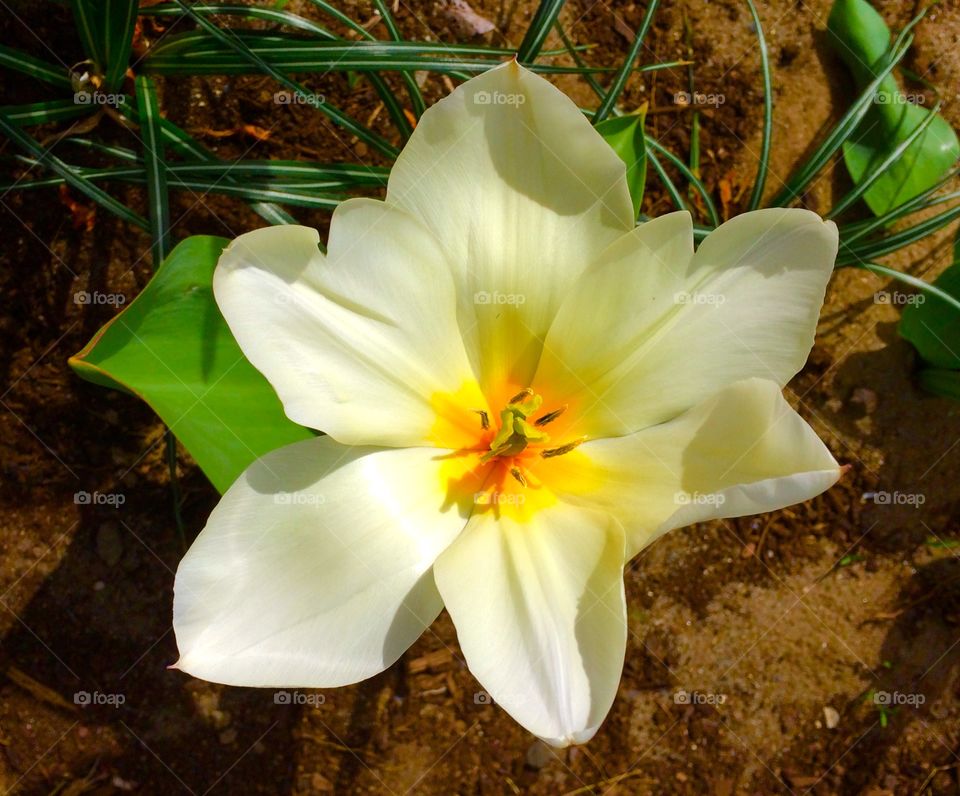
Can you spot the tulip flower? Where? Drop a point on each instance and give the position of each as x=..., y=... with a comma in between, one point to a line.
x=520, y=389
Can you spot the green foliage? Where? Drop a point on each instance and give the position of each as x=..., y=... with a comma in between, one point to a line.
x=625, y=135
x=106, y=31
x=171, y=345
x=933, y=328
x=172, y=348
x=861, y=37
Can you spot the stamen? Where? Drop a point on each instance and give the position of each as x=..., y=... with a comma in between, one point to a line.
x=549, y=417
x=498, y=451
x=515, y=472
x=484, y=419
x=550, y=452
x=526, y=392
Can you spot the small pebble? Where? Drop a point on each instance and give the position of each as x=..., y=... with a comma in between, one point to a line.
x=831, y=717
x=539, y=755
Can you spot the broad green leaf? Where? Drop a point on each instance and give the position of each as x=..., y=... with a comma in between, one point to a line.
x=945, y=383
x=933, y=327
x=861, y=38
x=625, y=136
x=172, y=347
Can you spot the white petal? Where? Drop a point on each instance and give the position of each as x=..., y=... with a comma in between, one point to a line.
x=742, y=451
x=522, y=193
x=651, y=330
x=540, y=615
x=356, y=343
x=315, y=567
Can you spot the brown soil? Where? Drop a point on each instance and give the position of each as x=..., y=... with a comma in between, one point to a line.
x=790, y=619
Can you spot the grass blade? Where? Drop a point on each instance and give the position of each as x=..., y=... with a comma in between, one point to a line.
x=121, y=19
x=413, y=90
x=675, y=195
x=85, y=186
x=273, y=15
x=106, y=30
x=620, y=79
x=186, y=146
x=544, y=18
x=153, y=158
x=844, y=128
x=894, y=155
x=236, y=43
x=851, y=255
x=913, y=281
x=756, y=195
x=692, y=178
x=44, y=112
x=34, y=67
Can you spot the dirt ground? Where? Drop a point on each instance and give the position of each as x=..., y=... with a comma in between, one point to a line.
x=756, y=645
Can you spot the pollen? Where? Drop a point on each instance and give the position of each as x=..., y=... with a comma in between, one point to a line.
x=506, y=458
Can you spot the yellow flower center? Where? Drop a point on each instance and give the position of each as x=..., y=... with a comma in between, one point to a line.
x=501, y=467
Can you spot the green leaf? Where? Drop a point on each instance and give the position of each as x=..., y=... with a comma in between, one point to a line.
x=756, y=195
x=172, y=347
x=625, y=135
x=861, y=37
x=69, y=173
x=237, y=45
x=274, y=15
x=43, y=112
x=158, y=199
x=204, y=52
x=34, y=67
x=533, y=40
x=933, y=327
x=106, y=31
x=945, y=383
x=620, y=79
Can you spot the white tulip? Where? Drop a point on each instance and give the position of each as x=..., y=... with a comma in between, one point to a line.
x=520, y=390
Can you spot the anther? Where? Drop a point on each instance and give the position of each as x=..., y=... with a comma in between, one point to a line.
x=515, y=472
x=484, y=419
x=549, y=417
x=550, y=452
x=525, y=393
